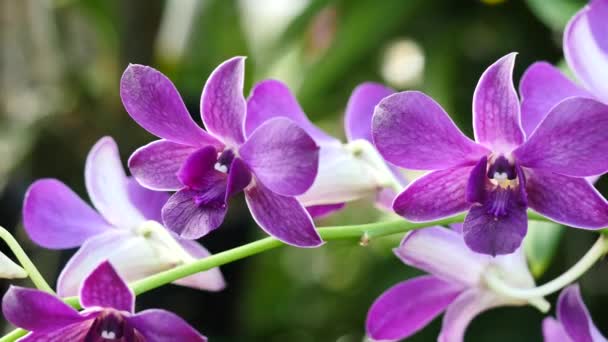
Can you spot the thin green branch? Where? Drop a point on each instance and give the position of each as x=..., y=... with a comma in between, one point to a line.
x=25, y=261
x=364, y=233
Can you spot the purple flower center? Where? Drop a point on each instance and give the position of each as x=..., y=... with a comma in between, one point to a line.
x=110, y=325
x=224, y=160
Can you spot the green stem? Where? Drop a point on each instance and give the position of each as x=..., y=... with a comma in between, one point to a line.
x=25, y=261
x=363, y=232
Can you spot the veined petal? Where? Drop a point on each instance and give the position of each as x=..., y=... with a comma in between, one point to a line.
x=553, y=331
x=408, y=307
x=435, y=195
x=486, y=232
x=223, y=105
x=55, y=217
x=107, y=183
x=71, y=332
x=412, y=131
x=575, y=318
x=148, y=202
x=9, y=269
x=282, y=217
x=443, y=253
x=571, y=140
x=541, y=87
x=163, y=326
x=192, y=213
x=496, y=112
x=155, y=165
x=134, y=257
x=270, y=99
x=154, y=103
x=585, y=47
x=360, y=109
x=210, y=280
x=106, y=289
x=567, y=200
x=36, y=310
x=462, y=311
x=282, y=156
x=341, y=177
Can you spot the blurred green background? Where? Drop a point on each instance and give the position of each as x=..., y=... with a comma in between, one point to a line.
x=60, y=67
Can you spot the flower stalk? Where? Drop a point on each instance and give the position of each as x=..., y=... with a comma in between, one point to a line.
x=598, y=250
x=25, y=261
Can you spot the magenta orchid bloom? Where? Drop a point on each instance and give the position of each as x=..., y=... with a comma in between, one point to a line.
x=272, y=164
x=346, y=171
x=503, y=172
x=456, y=286
x=108, y=314
x=574, y=323
x=125, y=228
x=586, y=51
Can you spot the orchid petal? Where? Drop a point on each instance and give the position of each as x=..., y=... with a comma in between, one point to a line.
x=553, y=331
x=443, y=253
x=585, y=47
x=282, y=156
x=323, y=210
x=71, y=332
x=270, y=99
x=163, y=326
x=282, y=217
x=484, y=232
x=541, y=87
x=462, y=311
x=154, y=103
x=409, y=306
x=193, y=213
x=342, y=177
x=9, y=269
x=134, y=257
x=222, y=103
x=571, y=140
x=155, y=165
x=412, y=131
x=149, y=203
x=496, y=115
x=32, y=309
x=435, y=195
x=574, y=316
x=210, y=280
x=360, y=109
x=567, y=200
x=55, y=217
x=106, y=289
x=107, y=183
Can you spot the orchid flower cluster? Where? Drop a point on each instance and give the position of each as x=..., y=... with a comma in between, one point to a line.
x=540, y=154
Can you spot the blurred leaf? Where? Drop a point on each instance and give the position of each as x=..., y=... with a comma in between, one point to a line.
x=541, y=244
x=363, y=29
x=555, y=13
x=217, y=36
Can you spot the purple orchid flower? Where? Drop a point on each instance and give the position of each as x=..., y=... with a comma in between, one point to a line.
x=125, y=230
x=456, y=285
x=501, y=174
x=272, y=164
x=108, y=314
x=574, y=323
x=586, y=50
x=346, y=171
